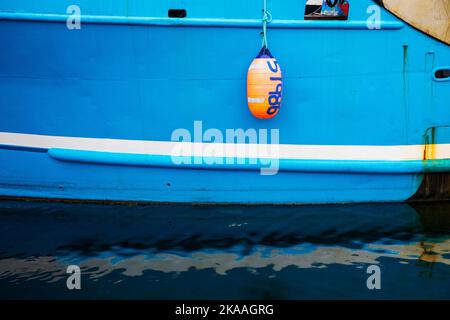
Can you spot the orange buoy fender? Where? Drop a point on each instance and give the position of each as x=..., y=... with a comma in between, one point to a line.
x=264, y=86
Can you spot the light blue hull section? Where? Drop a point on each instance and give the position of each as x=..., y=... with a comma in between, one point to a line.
x=133, y=183
x=132, y=73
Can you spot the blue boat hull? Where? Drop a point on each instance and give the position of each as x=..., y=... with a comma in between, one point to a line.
x=90, y=114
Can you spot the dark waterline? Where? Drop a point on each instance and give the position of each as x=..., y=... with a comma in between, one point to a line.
x=224, y=252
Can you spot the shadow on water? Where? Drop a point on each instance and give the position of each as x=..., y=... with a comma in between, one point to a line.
x=224, y=252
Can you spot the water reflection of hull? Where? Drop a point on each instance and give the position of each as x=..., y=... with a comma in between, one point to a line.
x=132, y=240
x=52, y=269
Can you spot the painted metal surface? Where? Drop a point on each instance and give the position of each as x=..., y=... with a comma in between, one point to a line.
x=132, y=75
x=197, y=22
x=292, y=165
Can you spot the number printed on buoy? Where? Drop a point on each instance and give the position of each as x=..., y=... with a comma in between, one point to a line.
x=264, y=86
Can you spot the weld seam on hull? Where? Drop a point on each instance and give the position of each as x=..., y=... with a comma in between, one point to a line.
x=200, y=22
x=291, y=165
x=22, y=148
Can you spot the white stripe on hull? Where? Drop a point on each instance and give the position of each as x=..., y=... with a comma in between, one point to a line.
x=281, y=151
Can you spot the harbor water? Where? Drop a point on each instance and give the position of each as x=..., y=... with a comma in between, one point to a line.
x=129, y=251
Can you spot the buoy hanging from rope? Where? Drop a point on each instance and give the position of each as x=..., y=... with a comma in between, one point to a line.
x=264, y=79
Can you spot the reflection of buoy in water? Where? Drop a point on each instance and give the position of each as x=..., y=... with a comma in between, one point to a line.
x=264, y=86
